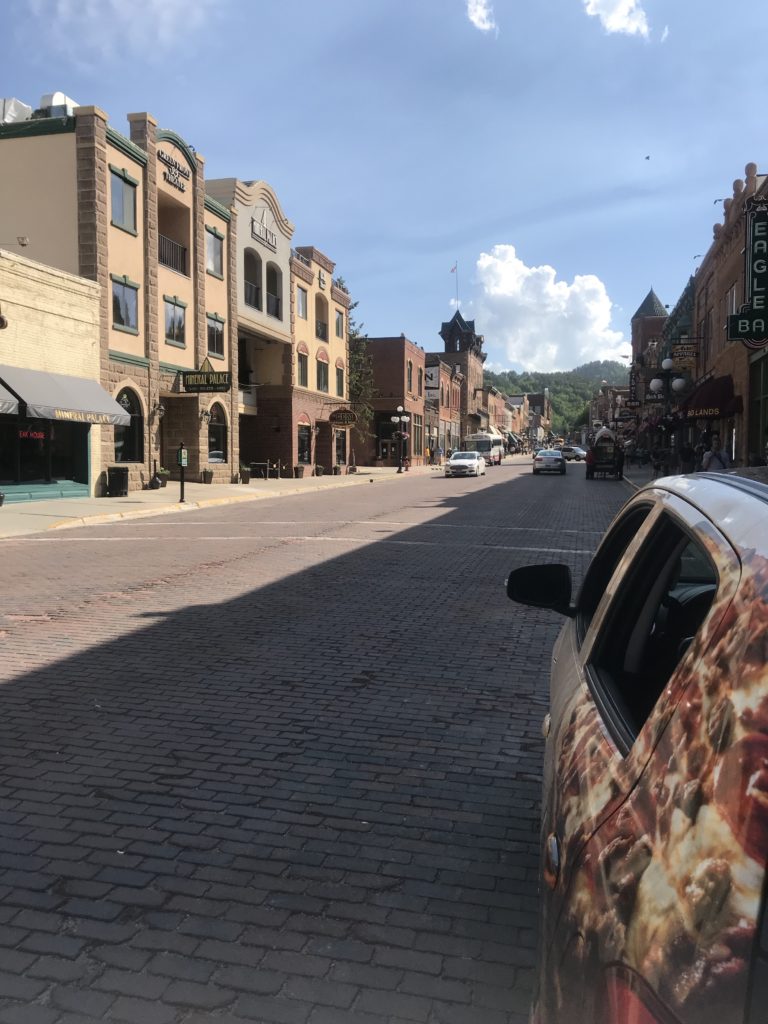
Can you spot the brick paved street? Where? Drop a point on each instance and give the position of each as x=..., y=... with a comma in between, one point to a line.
x=280, y=762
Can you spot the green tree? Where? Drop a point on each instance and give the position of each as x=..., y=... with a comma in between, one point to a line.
x=359, y=371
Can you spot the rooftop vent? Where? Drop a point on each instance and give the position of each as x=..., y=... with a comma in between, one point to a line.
x=14, y=110
x=56, y=104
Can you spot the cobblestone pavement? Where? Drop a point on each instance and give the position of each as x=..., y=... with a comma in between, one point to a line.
x=280, y=762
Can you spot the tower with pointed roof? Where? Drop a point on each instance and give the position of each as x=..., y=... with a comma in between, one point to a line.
x=647, y=326
x=464, y=354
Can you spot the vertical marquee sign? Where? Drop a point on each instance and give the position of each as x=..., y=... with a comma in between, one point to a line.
x=750, y=324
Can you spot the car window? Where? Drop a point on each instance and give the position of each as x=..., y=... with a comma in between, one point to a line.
x=654, y=615
x=603, y=565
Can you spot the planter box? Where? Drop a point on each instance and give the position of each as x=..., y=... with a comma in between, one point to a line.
x=206, y=476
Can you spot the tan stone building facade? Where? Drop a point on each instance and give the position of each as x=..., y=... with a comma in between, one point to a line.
x=131, y=213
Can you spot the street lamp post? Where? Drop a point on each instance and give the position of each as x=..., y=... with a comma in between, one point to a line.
x=667, y=382
x=400, y=423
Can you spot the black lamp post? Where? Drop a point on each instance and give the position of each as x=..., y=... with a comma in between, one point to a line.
x=400, y=422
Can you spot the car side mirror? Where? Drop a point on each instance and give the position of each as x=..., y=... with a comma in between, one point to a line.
x=542, y=586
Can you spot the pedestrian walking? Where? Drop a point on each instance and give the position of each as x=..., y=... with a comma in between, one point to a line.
x=439, y=455
x=589, y=459
x=716, y=460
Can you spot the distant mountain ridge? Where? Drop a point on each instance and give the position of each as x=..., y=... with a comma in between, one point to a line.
x=569, y=390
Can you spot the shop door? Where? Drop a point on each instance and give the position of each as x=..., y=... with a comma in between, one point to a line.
x=34, y=441
x=341, y=447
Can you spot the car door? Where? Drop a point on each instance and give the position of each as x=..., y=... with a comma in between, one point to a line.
x=625, y=796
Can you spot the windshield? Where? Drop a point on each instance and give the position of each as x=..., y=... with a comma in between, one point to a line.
x=481, y=445
x=463, y=456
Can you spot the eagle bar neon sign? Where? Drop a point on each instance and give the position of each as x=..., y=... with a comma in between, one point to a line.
x=750, y=324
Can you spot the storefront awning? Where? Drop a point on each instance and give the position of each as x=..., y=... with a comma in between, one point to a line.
x=55, y=396
x=713, y=400
x=9, y=404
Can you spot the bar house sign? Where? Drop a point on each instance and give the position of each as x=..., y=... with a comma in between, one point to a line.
x=750, y=324
x=206, y=379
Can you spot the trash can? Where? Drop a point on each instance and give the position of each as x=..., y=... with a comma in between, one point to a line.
x=298, y=472
x=117, y=481
x=337, y=470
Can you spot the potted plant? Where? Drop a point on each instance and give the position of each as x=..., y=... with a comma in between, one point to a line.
x=206, y=475
x=164, y=476
x=245, y=474
x=319, y=470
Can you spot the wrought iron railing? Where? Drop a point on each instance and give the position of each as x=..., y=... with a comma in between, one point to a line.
x=321, y=330
x=252, y=295
x=273, y=305
x=171, y=254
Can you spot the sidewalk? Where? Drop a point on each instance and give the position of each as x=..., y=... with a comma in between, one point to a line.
x=18, y=519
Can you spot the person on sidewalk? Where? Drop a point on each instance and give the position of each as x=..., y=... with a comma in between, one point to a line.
x=590, y=462
x=439, y=455
x=716, y=460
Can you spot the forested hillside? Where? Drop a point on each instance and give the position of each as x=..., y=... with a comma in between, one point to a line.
x=569, y=391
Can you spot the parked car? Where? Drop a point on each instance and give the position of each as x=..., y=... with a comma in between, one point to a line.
x=573, y=452
x=655, y=811
x=548, y=460
x=465, y=464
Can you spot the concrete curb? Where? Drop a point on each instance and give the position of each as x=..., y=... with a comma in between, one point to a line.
x=190, y=506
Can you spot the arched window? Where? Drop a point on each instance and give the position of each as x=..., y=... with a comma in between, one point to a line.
x=421, y=382
x=129, y=441
x=217, y=435
x=410, y=376
x=252, y=280
x=274, y=291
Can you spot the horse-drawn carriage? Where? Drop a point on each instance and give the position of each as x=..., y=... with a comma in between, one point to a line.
x=607, y=456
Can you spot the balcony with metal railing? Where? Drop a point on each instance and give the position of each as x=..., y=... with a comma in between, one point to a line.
x=172, y=255
x=299, y=257
x=273, y=305
x=321, y=330
x=252, y=295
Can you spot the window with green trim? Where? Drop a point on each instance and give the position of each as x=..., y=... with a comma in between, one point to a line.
x=215, y=336
x=339, y=324
x=301, y=302
x=123, y=199
x=339, y=382
x=175, y=323
x=214, y=252
x=125, y=306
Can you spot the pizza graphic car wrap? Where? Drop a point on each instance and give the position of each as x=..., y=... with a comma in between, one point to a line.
x=665, y=884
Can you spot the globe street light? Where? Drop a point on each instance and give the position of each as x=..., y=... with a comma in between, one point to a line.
x=400, y=422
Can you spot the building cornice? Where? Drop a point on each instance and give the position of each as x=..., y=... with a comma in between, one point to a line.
x=128, y=148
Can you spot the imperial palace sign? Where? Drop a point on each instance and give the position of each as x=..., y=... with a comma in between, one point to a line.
x=206, y=379
x=750, y=324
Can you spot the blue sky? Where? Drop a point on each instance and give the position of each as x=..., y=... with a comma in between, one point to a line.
x=406, y=136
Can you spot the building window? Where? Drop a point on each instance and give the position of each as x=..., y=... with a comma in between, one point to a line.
x=215, y=335
x=214, y=252
x=217, y=435
x=123, y=200
x=410, y=376
x=303, y=370
x=339, y=324
x=417, y=446
x=420, y=378
x=175, y=321
x=274, y=291
x=322, y=376
x=301, y=302
x=125, y=305
x=340, y=381
x=129, y=441
x=305, y=444
x=252, y=274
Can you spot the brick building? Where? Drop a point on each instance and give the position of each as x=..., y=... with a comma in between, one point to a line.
x=444, y=385
x=463, y=350
x=399, y=375
x=52, y=405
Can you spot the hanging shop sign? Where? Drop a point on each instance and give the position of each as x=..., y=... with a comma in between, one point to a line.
x=750, y=324
x=206, y=379
x=342, y=418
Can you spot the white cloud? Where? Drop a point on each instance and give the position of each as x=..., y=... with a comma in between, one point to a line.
x=480, y=13
x=113, y=28
x=626, y=16
x=665, y=34
x=531, y=319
